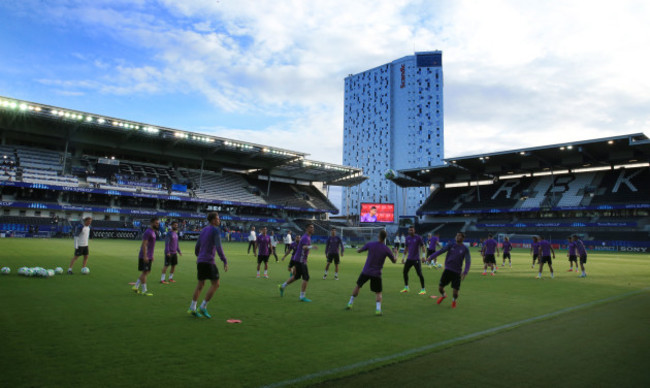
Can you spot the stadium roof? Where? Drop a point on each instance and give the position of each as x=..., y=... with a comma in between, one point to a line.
x=574, y=156
x=54, y=125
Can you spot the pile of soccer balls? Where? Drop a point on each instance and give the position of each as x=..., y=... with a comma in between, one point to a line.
x=39, y=272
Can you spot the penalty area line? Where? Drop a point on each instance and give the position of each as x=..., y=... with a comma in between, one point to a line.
x=409, y=352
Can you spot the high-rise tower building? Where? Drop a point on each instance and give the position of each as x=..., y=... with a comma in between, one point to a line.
x=393, y=120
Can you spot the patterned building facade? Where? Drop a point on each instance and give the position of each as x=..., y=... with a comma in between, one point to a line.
x=393, y=119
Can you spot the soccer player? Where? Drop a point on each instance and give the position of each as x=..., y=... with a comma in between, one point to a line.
x=396, y=245
x=263, y=252
x=145, y=258
x=545, y=250
x=251, y=241
x=299, y=263
x=292, y=248
x=507, y=247
x=402, y=243
x=377, y=254
x=534, y=250
x=172, y=250
x=371, y=216
x=571, y=254
x=456, y=253
x=414, y=245
x=81, y=234
x=582, y=252
x=490, y=246
x=434, y=241
x=332, y=246
x=288, y=240
x=207, y=245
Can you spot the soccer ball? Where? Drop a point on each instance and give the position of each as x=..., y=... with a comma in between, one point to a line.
x=85, y=270
x=50, y=273
x=58, y=270
x=390, y=174
x=22, y=271
x=5, y=270
x=42, y=272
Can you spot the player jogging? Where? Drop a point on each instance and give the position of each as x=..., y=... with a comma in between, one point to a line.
x=571, y=254
x=251, y=241
x=490, y=247
x=332, y=246
x=456, y=253
x=145, y=258
x=377, y=254
x=434, y=242
x=263, y=252
x=172, y=250
x=582, y=252
x=545, y=250
x=507, y=247
x=414, y=245
x=534, y=250
x=299, y=264
x=81, y=234
x=207, y=245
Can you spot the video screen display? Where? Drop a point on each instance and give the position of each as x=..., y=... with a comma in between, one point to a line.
x=377, y=212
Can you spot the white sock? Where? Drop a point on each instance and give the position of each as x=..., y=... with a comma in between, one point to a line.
x=193, y=305
x=336, y=274
x=325, y=273
x=144, y=287
x=302, y=294
x=540, y=275
x=265, y=272
x=204, y=304
x=137, y=283
x=162, y=278
x=284, y=285
x=378, y=305
x=258, y=273
x=351, y=300
x=171, y=276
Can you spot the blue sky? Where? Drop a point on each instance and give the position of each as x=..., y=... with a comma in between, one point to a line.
x=516, y=73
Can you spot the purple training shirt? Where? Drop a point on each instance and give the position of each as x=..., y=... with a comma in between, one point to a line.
x=544, y=248
x=263, y=243
x=150, y=237
x=580, y=246
x=208, y=244
x=534, y=247
x=433, y=242
x=507, y=247
x=171, y=243
x=413, y=244
x=572, y=248
x=377, y=254
x=332, y=245
x=301, y=253
x=456, y=253
x=490, y=246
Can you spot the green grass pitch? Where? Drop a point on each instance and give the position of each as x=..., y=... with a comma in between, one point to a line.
x=85, y=330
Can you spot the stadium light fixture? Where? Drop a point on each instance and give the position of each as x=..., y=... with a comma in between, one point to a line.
x=610, y=142
x=633, y=165
x=590, y=169
x=513, y=176
x=569, y=147
x=459, y=184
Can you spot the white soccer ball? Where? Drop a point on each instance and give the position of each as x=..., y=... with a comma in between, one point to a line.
x=42, y=272
x=5, y=270
x=22, y=270
x=390, y=174
x=85, y=270
x=58, y=270
x=50, y=273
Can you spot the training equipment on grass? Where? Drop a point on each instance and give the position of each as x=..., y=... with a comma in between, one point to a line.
x=50, y=273
x=5, y=270
x=85, y=270
x=58, y=270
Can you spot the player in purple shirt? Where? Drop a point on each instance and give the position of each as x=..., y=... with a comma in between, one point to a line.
x=263, y=252
x=172, y=250
x=371, y=216
x=507, y=247
x=534, y=250
x=582, y=253
x=145, y=258
x=377, y=254
x=414, y=245
x=332, y=247
x=490, y=247
x=434, y=242
x=208, y=244
x=545, y=249
x=457, y=252
x=571, y=254
x=299, y=264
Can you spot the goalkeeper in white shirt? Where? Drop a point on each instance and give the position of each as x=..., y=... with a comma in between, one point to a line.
x=81, y=233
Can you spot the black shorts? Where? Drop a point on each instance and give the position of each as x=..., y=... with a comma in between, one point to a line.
x=583, y=259
x=506, y=255
x=489, y=259
x=207, y=271
x=333, y=257
x=142, y=266
x=171, y=260
x=430, y=252
x=81, y=251
x=535, y=256
x=262, y=259
x=403, y=245
x=375, y=282
x=396, y=244
x=450, y=277
x=547, y=259
x=301, y=271
x=573, y=258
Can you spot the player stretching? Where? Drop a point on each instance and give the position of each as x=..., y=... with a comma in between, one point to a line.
x=434, y=242
x=207, y=245
x=81, y=234
x=145, y=258
x=582, y=252
x=490, y=246
x=571, y=254
x=534, y=250
x=299, y=264
x=414, y=245
x=332, y=246
x=251, y=241
x=263, y=252
x=172, y=250
x=456, y=253
x=377, y=254
x=274, y=243
x=507, y=247
x=545, y=250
